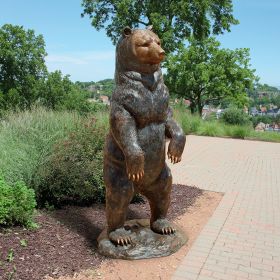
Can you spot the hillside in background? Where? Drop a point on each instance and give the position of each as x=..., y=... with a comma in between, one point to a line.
x=103, y=87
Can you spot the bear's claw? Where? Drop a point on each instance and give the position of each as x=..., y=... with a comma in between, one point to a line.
x=136, y=177
x=173, y=158
x=162, y=226
x=121, y=237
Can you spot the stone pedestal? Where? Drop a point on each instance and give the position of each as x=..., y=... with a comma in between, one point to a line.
x=145, y=243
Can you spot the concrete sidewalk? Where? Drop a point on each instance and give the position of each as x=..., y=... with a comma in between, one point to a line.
x=242, y=238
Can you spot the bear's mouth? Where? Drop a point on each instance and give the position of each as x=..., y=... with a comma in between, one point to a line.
x=157, y=60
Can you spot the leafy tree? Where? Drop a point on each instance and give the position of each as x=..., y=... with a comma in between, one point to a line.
x=205, y=74
x=55, y=89
x=58, y=92
x=173, y=20
x=22, y=64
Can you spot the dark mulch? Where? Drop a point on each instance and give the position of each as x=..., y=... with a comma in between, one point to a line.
x=66, y=239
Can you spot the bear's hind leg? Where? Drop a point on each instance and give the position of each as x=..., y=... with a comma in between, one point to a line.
x=119, y=192
x=158, y=195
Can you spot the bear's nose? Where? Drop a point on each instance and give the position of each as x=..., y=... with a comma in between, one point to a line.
x=162, y=53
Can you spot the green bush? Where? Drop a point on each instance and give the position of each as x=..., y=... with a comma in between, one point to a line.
x=235, y=116
x=17, y=204
x=73, y=174
x=265, y=119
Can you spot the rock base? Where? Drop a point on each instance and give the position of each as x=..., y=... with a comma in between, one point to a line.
x=145, y=243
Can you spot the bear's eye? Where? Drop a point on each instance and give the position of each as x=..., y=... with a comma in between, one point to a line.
x=147, y=44
x=158, y=43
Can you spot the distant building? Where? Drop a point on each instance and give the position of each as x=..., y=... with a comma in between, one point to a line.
x=263, y=110
x=254, y=111
x=187, y=102
x=273, y=112
x=263, y=94
x=219, y=113
x=104, y=99
x=92, y=88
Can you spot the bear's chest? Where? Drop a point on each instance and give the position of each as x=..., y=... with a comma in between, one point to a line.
x=147, y=106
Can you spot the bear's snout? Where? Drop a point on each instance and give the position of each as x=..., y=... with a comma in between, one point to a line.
x=162, y=53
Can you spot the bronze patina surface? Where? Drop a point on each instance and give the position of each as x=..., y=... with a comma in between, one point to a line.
x=145, y=243
x=140, y=120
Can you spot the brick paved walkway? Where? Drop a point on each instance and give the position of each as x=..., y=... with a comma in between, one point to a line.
x=242, y=238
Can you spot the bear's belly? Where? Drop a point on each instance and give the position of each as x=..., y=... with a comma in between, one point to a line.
x=151, y=139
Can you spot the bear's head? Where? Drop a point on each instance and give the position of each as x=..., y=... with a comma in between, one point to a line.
x=139, y=50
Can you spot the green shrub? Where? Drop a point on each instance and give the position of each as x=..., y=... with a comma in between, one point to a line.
x=235, y=116
x=17, y=204
x=73, y=174
x=265, y=119
x=210, y=129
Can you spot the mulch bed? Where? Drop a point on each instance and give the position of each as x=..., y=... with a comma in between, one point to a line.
x=65, y=242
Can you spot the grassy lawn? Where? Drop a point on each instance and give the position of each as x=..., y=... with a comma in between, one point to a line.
x=193, y=124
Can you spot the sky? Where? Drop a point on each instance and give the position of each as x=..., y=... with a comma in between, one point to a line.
x=77, y=49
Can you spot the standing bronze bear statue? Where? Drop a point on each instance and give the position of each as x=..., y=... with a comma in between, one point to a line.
x=140, y=120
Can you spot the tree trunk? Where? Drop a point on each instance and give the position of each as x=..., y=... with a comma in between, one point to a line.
x=199, y=107
x=192, y=107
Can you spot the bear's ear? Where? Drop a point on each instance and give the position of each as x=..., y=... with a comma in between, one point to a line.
x=150, y=27
x=127, y=31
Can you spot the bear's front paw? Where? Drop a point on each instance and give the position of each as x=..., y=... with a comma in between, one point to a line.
x=135, y=167
x=173, y=158
x=175, y=150
x=136, y=177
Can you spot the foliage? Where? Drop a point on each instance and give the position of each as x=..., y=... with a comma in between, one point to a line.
x=266, y=88
x=27, y=139
x=265, y=119
x=263, y=94
x=22, y=65
x=74, y=171
x=174, y=21
x=104, y=87
x=265, y=136
x=235, y=116
x=205, y=74
x=24, y=80
x=238, y=131
x=59, y=93
x=56, y=153
x=192, y=124
x=189, y=123
x=17, y=204
x=210, y=128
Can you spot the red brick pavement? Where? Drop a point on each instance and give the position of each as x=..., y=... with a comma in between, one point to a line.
x=242, y=238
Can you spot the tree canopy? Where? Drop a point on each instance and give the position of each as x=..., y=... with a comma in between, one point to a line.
x=173, y=20
x=22, y=64
x=204, y=73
